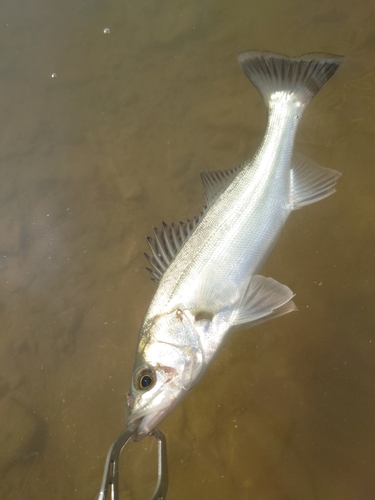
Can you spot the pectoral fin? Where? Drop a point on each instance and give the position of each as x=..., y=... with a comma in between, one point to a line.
x=214, y=293
x=310, y=182
x=264, y=299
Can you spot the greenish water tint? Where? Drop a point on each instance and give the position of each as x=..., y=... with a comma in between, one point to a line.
x=103, y=136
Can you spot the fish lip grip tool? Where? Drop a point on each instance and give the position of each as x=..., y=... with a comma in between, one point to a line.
x=109, y=487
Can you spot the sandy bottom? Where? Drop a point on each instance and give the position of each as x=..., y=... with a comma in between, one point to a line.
x=103, y=137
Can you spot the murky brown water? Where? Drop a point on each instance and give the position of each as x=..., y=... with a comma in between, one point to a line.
x=95, y=157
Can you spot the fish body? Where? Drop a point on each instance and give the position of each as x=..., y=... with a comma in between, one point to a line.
x=207, y=268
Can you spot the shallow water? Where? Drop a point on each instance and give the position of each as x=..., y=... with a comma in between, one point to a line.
x=110, y=146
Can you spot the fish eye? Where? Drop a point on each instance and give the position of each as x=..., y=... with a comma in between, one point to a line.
x=145, y=379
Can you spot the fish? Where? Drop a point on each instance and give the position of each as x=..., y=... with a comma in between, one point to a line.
x=207, y=268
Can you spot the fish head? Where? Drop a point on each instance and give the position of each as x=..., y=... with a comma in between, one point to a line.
x=167, y=365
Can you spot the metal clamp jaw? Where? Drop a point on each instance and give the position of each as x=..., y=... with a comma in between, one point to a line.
x=111, y=468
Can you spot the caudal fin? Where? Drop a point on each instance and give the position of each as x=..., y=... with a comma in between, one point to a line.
x=304, y=75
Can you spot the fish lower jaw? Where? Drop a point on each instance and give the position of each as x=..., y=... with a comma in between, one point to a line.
x=146, y=424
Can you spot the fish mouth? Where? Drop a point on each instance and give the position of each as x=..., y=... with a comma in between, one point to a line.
x=143, y=419
x=146, y=424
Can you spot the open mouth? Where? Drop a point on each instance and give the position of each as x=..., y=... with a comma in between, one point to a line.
x=146, y=424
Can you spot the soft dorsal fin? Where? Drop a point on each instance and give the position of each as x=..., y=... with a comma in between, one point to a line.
x=166, y=244
x=216, y=181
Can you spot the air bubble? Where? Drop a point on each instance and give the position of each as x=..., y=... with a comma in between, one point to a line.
x=106, y=31
x=54, y=75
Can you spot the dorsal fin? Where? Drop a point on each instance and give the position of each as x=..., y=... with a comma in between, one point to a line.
x=216, y=181
x=168, y=240
x=166, y=244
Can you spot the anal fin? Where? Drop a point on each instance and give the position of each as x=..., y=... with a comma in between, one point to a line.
x=264, y=299
x=310, y=182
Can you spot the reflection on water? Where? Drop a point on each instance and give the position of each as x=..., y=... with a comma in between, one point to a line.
x=96, y=156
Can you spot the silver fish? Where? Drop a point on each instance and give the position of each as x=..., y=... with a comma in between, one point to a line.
x=207, y=267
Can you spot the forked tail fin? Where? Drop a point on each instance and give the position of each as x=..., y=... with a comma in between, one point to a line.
x=304, y=75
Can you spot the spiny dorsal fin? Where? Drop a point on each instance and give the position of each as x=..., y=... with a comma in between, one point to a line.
x=216, y=181
x=166, y=244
